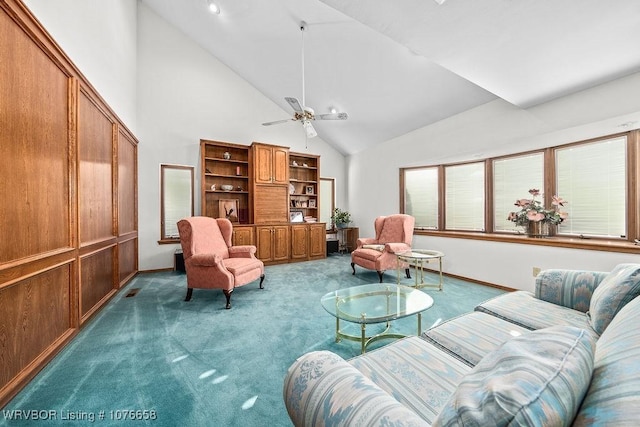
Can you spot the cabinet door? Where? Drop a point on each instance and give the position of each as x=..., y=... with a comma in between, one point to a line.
x=281, y=243
x=263, y=163
x=264, y=243
x=242, y=236
x=317, y=241
x=270, y=204
x=280, y=165
x=299, y=241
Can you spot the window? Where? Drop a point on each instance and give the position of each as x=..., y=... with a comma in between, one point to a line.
x=176, y=199
x=513, y=177
x=464, y=197
x=592, y=178
x=599, y=179
x=421, y=196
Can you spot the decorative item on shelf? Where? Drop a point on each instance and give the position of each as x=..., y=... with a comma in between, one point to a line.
x=213, y=187
x=226, y=155
x=206, y=170
x=341, y=218
x=228, y=208
x=238, y=188
x=294, y=163
x=537, y=220
x=312, y=203
x=305, y=165
x=226, y=187
x=309, y=189
x=238, y=170
x=292, y=189
x=296, y=216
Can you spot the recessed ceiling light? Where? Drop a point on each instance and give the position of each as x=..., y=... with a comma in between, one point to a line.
x=213, y=7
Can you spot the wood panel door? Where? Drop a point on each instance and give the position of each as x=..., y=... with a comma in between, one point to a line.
x=242, y=235
x=271, y=164
x=317, y=241
x=299, y=241
x=272, y=242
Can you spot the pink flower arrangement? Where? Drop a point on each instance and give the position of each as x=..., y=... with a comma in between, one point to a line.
x=532, y=210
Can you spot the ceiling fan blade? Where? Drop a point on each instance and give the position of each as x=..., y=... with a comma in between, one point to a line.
x=276, y=122
x=334, y=116
x=295, y=104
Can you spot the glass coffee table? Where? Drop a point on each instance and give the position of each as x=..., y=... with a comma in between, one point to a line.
x=375, y=303
x=417, y=258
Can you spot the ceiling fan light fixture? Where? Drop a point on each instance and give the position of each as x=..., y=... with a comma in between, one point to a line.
x=333, y=110
x=213, y=7
x=308, y=128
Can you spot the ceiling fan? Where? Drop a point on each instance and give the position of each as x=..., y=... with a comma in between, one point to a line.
x=302, y=113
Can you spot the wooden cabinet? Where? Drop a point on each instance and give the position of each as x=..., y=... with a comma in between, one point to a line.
x=270, y=164
x=272, y=242
x=304, y=184
x=317, y=241
x=225, y=180
x=262, y=194
x=300, y=242
x=308, y=241
x=242, y=235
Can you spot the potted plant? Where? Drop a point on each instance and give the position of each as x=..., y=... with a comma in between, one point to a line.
x=537, y=220
x=341, y=218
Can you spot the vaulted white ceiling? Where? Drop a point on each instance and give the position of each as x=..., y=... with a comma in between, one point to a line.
x=395, y=66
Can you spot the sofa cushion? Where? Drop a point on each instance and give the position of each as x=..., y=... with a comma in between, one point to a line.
x=614, y=292
x=539, y=378
x=613, y=398
x=524, y=309
x=418, y=375
x=472, y=336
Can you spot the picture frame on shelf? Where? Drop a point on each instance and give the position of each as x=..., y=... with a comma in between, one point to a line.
x=228, y=208
x=296, y=216
x=312, y=203
x=309, y=189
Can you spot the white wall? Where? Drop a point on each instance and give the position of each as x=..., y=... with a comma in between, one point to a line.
x=100, y=38
x=185, y=94
x=493, y=129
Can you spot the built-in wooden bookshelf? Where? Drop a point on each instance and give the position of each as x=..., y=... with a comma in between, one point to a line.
x=304, y=184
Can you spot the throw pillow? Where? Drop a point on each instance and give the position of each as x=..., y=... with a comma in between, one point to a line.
x=614, y=292
x=536, y=379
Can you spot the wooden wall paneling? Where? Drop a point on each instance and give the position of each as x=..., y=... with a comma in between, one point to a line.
x=34, y=147
x=97, y=282
x=95, y=177
x=127, y=260
x=127, y=206
x=59, y=147
x=35, y=323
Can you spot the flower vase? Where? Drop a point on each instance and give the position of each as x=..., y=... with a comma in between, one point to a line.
x=541, y=229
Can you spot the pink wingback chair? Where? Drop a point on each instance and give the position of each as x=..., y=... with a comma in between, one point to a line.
x=211, y=261
x=394, y=234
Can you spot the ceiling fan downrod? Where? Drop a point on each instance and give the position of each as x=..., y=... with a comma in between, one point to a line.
x=303, y=27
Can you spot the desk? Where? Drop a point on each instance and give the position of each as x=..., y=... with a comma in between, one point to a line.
x=417, y=258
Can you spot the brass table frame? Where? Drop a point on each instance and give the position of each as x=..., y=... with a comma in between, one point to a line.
x=418, y=258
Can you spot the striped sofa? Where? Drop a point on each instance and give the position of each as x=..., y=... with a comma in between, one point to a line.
x=567, y=354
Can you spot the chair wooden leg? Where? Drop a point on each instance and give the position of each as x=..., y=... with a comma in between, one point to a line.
x=189, y=292
x=380, y=273
x=228, y=295
x=261, y=280
x=353, y=267
x=408, y=273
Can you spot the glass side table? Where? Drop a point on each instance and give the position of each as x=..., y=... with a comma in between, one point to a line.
x=418, y=258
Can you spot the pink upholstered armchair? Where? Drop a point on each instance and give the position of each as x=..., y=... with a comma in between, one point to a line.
x=394, y=234
x=211, y=261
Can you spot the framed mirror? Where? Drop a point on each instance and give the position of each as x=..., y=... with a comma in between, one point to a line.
x=176, y=199
x=327, y=200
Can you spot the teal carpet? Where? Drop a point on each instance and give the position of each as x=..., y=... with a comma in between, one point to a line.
x=167, y=362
